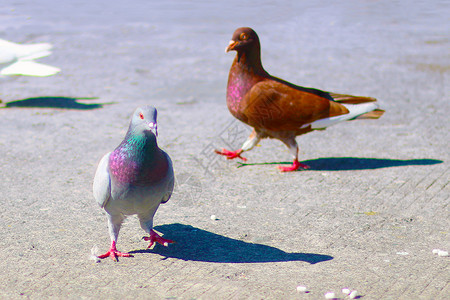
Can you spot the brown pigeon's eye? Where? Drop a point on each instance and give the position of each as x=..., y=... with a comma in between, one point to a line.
x=243, y=36
x=141, y=115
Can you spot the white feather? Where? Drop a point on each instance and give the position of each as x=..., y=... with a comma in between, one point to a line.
x=29, y=68
x=17, y=59
x=94, y=254
x=102, y=182
x=355, y=110
x=24, y=50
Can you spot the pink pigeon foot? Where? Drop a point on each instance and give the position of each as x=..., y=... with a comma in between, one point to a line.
x=295, y=166
x=231, y=154
x=154, y=237
x=114, y=254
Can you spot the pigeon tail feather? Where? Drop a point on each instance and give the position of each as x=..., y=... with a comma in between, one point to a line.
x=355, y=110
x=374, y=114
x=350, y=99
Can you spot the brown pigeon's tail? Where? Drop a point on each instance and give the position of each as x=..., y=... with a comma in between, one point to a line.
x=349, y=99
x=374, y=114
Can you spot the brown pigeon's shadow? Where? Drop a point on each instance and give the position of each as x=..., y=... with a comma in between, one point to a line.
x=55, y=102
x=353, y=163
x=200, y=245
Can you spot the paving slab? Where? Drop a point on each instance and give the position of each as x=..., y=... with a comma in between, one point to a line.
x=366, y=216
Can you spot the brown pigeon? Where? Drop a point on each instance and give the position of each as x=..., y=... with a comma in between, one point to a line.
x=278, y=109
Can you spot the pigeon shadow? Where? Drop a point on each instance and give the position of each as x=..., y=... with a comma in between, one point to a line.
x=353, y=163
x=55, y=102
x=200, y=245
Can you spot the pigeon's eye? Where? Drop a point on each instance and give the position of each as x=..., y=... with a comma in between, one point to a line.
x=243, y=36
x=141, y=115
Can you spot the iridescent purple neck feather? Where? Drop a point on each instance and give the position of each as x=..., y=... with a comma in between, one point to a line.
x=133, y=159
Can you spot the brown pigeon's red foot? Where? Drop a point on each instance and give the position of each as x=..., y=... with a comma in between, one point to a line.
x=114, y=254
x=231, y=154
x=154, y=237
x=295, y=166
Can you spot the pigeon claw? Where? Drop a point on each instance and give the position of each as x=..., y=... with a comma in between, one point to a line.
x=295, y=166
x=154, y=237
x=114, y=254
x=231, y=154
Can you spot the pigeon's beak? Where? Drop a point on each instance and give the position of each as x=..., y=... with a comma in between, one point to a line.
x=230, y=46
x=153, y=127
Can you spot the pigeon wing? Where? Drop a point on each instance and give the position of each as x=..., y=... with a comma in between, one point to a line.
x=280, y=106
x=170, y=180
x=102, y=182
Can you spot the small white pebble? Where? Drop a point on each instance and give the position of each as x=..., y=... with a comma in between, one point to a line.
x=436, y=251
x=166, y=244
x=353, y=294
x=402, y=253
x=213, y=217
x=302, y=288
x=330, y=295
x=442, y=253
x=346, y=291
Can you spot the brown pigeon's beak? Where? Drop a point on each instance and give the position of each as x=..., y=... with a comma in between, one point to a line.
x=231, y=46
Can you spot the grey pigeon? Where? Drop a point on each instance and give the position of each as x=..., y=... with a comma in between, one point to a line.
x=134, y=179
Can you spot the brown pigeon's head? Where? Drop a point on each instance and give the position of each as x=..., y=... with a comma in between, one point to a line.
x=244, y=39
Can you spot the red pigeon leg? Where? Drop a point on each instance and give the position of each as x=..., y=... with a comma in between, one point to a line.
x=293, y=148
x=154, y=237
x=231, y=154
x=251, y=142
x=295, y=166
x=113, y=253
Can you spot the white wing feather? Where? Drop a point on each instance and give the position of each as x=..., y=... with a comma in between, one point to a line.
x=19, y=59
x=29, y=68
x=102, y=182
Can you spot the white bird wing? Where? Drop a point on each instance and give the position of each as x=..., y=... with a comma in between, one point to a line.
x=29, y=68
x=23, y=50
x=36, y=55
x=102, y=182
x=20, y=59
x=7, y=57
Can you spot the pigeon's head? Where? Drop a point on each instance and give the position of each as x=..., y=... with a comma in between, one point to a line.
x=144, y=119
x=244, y=39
